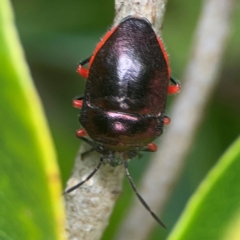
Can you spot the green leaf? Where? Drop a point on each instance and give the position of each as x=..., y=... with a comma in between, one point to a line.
x=30, y=190
x=213, y=213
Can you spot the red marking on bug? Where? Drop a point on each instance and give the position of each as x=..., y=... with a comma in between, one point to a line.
x=81, y=133
x=101, y=43
x=152, y=147
x=166, y=120
x=77, y=103
x=172, y=89
x=164, y=54
x=82, y=71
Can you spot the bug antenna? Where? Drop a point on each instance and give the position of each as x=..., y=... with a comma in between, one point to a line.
x=139, y=196
x=88, y=177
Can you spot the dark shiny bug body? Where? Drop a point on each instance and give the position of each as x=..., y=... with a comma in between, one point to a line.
x=123, y=107
x=126, y=91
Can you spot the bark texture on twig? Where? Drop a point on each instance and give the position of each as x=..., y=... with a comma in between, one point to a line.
x=198, y=84
x=88, y=208
x=153, y=10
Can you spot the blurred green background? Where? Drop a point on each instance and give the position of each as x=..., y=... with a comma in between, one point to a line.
x=56, y=35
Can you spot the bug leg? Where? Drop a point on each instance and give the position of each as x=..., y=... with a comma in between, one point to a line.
x=175, y=88
x=84, y=154
x=78, y=102
x=87, y=178
x=166, y=120
x=151, y=147
x=81, y=133
x=81, y=70
x=139, y=196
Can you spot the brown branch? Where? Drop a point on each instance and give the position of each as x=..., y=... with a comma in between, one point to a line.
x=199, y=81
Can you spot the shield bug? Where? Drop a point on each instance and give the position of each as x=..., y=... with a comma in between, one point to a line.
x=123, y=107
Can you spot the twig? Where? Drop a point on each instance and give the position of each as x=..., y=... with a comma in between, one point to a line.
x=153, y=10
x=199, y=81
x=89, y=207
